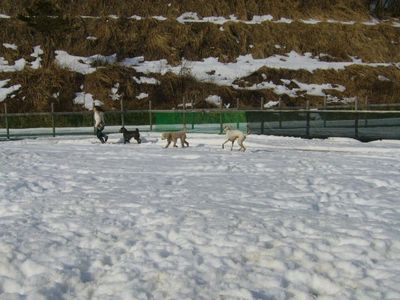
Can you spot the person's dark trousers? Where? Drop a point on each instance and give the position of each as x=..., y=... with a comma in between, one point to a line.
x=100, y=135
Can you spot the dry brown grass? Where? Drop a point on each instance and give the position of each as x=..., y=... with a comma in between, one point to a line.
x=245, y=9
x=39, y=86
x=171, y=40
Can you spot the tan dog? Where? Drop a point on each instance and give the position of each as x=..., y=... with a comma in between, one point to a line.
x=174, y=136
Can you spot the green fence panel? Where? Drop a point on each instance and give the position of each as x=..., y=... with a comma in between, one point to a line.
x=363, y=125
x=292, y=123
x=137, y=118
x=373, y=126
x=81, y=120
x=196, y=121
x=29, y=121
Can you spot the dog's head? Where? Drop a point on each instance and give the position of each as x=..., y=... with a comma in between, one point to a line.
x=122, y=130
x=164, y=135
x=227, y=127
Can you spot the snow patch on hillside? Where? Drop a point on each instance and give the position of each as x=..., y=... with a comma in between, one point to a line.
x=81, y=64
x=37, y=52
x=309, y=89
x=86, y=100
x=214, y=100
x=10, y=46
x=211, y=70
x=7, y=91
x=18, y=65
x=146, y=80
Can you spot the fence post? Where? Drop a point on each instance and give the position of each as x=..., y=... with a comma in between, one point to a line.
x=122, y=112
x=220, y=117
x=150, y=117
x=280, y=113
x=356, y=118
x=262, y=115
x=53, y=122
x=184, y=111
x=237, y=108
x=192, y=105
x=308, y=119
x=324, y=114
x=6, y=120
x=366, y=108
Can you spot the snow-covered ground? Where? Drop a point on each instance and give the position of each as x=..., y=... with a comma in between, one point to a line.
x=288, y=218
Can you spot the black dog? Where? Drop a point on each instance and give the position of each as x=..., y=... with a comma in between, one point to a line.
x=130, y=134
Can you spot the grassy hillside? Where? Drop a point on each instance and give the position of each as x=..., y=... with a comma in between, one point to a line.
x=244, y=9
x=168, y=39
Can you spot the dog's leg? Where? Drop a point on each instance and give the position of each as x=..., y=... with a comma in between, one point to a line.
x=175, y=140
x=234, y=142
x=224, y=144
x=169, y=142
x=187, y=144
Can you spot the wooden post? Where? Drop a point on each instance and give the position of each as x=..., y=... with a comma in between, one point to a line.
x=53, y=123
x=122, y=111
x=220, y=117
x=150, y=117
x=6, y=120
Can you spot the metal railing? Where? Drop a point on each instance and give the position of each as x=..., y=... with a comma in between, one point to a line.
x=360, y=124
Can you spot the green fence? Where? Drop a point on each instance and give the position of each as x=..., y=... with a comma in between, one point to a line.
x=363, y=125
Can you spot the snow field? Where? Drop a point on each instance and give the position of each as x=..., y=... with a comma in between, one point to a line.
x=289, y=218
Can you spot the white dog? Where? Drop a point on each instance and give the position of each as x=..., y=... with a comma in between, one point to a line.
x=233, y=135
